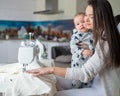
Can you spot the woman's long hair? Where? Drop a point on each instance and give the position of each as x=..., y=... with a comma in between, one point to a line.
x=106, y=29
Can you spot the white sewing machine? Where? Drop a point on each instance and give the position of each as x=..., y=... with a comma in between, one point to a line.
x=30, y=53
x=30, y=57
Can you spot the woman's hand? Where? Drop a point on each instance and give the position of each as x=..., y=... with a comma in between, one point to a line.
x=83, y=45
x=41, y=71
x=48, y=70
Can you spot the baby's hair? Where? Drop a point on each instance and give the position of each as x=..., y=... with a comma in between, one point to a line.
x=80, y=13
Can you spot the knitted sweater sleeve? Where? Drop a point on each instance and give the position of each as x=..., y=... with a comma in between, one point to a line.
x=92, y=67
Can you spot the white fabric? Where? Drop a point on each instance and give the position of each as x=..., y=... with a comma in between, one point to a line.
x=13, y=68
x=27, y=85
x=12, y=81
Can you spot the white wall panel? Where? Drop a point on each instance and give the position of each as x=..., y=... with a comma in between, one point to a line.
x=23, y=9
x=17, y=9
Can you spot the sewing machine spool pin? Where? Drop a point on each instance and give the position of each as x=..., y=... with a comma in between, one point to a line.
x=24, y=67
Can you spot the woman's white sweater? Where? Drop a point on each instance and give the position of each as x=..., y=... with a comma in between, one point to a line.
x=110, y=78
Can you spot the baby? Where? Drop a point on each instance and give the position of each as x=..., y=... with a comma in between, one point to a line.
x=79, y=54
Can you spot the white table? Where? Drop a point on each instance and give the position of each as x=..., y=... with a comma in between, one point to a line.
x=7, y=78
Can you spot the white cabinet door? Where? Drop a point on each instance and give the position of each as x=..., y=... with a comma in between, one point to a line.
x=9, y=50
x=13, y=47
x=3, y=51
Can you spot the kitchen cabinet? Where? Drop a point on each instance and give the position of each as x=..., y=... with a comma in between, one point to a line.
x=9, y=49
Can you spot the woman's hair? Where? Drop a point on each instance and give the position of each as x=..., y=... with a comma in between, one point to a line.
x=117, y=19
x=105, y=29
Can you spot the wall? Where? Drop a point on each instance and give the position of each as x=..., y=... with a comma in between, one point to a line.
x=17, y=13
x=22, y=10
x=71, y=7
x=81, y=5
x=68, y=6
x=17, y=10
x=116, y=6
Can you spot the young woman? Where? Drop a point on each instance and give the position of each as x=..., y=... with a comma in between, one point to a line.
x=106, y=59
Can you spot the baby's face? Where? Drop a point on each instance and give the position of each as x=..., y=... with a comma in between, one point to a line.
x=80, y=23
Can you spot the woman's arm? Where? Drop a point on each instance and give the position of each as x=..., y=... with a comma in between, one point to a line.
x=92, y=67
x=84, y=74
x=48, y=70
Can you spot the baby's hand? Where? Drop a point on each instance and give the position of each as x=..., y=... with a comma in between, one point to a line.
x=87, y=53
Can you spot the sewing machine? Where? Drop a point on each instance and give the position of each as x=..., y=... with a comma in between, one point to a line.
x=30, y=53
x=29, y=56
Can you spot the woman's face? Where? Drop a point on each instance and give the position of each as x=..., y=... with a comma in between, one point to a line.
x=89, y=17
